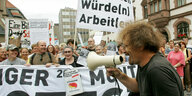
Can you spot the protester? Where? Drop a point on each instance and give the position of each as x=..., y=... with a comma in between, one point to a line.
x=42, y=57
x=3, y=54
x=61, y=47
x=187, y=74
x=60, y=56
x=103, y=43
x=162, y=48
x=51, y=49
x=170, y=48
x=69, y=59
x=177, y=59
x=105, y=50
x=91, y=44
x=57, y=49
x=70, y=42
x=155, y=75
x=121, y=51
x=186, y=41
x=24, y=53
x=99, y=50
x=34, y=48
x=13, y=59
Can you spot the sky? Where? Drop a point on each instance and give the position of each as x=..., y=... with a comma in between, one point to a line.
x=43, y=9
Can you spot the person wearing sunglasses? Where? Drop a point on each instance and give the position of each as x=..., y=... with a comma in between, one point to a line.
x=69, y=59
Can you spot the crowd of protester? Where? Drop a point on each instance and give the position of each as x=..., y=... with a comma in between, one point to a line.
x=176, y=52
x=43, y=54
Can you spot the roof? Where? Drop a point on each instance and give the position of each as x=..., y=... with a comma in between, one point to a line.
x=10, y=5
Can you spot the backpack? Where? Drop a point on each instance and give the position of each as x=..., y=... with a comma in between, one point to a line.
x=32, y=57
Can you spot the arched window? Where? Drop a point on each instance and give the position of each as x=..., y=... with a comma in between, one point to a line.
x=183, y=30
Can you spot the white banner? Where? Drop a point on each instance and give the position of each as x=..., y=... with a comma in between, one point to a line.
x=97, y=37
x=17, y=31
x=104, y=15
x=39, y=30
x=42, y=81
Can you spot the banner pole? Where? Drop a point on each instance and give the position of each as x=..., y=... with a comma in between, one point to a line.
x=75, y=36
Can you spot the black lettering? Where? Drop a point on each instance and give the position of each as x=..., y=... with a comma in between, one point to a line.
x=95, y=20
x=11, y=23
x=124, y=11
x=114, y=9
x=83, y=18
x=132, y=71
x=10, y=32
x=108, y=7
x=103, y=21
x=86, y=4
x=15, y=77
x=100, y=6
x=108, y=22
x=39, y=77
x=127, y=11
x=124, y=70
x=112, y=22
x=89, y=18
x=24, y=25
x=59, y=75
x=25, y=76
x=98, y=77
x=1, y=76
x=119, y=8
x=94, y=7
x=110, y=79
x=117, y=20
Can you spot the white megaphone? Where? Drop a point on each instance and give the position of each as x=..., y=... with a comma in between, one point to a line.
x=94, y=60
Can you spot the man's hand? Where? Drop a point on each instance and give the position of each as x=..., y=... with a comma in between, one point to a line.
x=113, y=72
x=57, y=65
x=48, y=65
x=27, y=65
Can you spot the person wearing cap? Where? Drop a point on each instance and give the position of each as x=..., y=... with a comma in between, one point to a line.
x=3, y=54
x=13, y=59
x=42, y=57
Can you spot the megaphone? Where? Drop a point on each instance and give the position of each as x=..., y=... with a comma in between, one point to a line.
x=94, y=60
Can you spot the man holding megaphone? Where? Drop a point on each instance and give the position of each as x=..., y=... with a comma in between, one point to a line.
x=155, y=75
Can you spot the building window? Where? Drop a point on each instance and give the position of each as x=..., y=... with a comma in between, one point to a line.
x=156, y=7
x=151, y=8
x=145, y=12
x=66, y=33
x=72, y=20
x=66, y=26
x=159, y=5
x=66, y=20
x=180, y=2
x=65, y=13
x=182, y=30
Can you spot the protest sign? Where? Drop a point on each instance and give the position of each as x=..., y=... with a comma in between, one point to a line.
x=82, y=59
x=104, y=15
x=39, y=30
x=17, y=32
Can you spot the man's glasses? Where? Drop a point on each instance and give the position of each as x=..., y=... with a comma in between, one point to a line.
x=67, y=51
